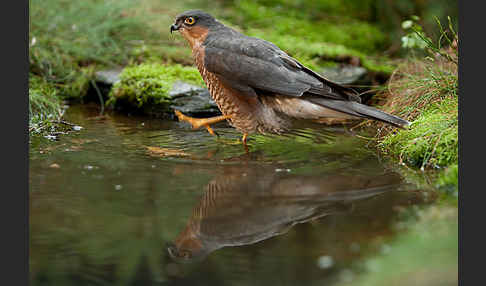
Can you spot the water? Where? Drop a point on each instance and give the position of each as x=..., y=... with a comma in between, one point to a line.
x=130, y=200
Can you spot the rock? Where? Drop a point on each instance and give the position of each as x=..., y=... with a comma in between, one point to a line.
x=181, y=88
x=192, y=100
x=195, y=103
x=104, y=80
x=108, y=77
x=347, y=74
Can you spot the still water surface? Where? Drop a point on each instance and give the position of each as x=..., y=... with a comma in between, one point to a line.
x=138, y=201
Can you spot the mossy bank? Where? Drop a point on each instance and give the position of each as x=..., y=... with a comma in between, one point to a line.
x=425, y=92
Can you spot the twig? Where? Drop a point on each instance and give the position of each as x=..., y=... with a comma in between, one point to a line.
x=102, y=103
x=63, y=122
x=358, y=125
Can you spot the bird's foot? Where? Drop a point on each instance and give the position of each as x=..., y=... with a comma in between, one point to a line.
x=198, y=122
x=243, y=139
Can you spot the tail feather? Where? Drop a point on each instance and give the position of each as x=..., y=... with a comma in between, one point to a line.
x=360, y=110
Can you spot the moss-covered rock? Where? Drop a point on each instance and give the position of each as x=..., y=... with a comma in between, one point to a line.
x=145, y=87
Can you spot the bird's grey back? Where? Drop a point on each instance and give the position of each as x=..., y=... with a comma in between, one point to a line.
x=257, y=63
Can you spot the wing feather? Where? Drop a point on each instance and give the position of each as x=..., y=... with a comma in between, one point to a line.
x=260, y=65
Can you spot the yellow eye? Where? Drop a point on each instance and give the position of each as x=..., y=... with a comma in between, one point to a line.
x=189, y=20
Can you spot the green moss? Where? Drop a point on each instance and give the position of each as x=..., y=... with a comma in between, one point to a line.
x=424, y=92
x=352, y=33
x=432, y=139
x=315, y=54
x=148, y=84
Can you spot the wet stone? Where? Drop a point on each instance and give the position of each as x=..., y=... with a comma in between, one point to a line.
x=108, y=77
x=192, y=100
x=181, y=88
x=347, y=74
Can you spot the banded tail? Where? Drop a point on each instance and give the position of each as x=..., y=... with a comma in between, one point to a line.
x=359, y=110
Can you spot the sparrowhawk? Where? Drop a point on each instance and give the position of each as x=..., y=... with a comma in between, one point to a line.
x=258, y=87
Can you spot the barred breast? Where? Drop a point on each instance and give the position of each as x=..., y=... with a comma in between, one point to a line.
x=241, y=110
x=248, y=114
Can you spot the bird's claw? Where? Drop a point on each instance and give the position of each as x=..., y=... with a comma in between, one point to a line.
x=199, y=122
x=193, y=121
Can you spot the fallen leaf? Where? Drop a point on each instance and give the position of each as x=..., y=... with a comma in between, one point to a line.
x=164, y=152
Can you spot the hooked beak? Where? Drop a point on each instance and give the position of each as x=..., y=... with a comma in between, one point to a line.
x=174, y=27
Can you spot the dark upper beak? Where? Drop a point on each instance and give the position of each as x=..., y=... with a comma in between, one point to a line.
x=174, y=27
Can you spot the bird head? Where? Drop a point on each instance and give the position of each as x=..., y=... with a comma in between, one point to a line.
x=187, y=247
x=194, y=25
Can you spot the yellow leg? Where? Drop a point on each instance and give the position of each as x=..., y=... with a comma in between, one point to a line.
x=243, y=139
x=198, y=122
x=210, y=130
x=245, y=136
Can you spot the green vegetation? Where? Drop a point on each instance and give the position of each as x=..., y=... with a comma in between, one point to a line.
x=42, y=99
x=44, y=105
x=425, y=92
x=432, y=139
x=314, y=38
x=148, y=84
x=66, y=37
x=68, y=40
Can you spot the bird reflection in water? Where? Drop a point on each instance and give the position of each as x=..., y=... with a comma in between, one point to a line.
x=246, y=205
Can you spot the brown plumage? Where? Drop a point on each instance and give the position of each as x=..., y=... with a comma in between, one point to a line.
x=258, y=87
